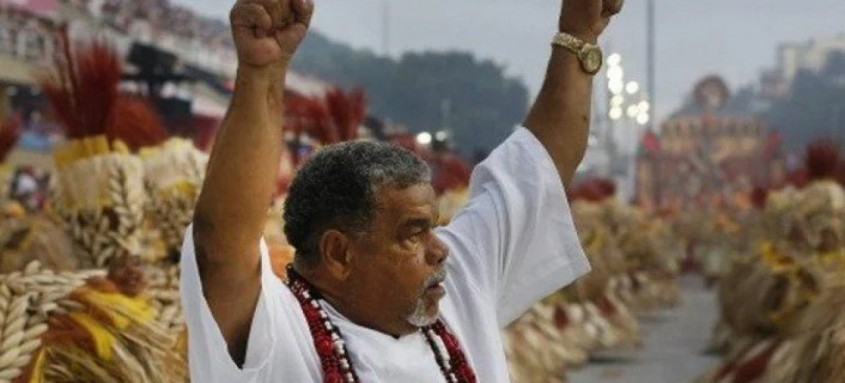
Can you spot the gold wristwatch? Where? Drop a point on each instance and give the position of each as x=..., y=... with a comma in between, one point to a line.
x=589, y=55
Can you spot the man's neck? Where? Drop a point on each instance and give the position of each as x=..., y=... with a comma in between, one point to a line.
x=330, y=291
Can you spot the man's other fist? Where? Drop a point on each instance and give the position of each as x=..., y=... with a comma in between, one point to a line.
x=587, y=19
x=268, y=32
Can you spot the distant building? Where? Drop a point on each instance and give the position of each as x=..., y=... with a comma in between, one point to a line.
x=792, y=58
x=707, y=153
x=27, y=28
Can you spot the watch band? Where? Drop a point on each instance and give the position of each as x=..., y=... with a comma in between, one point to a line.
x=568, y=41
x=589, y=55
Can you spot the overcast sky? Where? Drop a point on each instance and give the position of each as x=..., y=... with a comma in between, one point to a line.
x=733, y=38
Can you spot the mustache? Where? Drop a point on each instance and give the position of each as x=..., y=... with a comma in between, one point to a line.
x=438, y=277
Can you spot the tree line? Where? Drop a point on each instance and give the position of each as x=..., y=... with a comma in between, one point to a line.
x=426, y=91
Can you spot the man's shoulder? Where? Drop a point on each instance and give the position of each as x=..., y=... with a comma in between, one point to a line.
x=284, y=308
x=279, y=297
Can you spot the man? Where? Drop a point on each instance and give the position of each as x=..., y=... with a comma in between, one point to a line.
x=376, y=292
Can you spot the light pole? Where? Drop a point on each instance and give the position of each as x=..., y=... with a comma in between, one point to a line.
x=385, y=28
x=652, y=63
x=627, y=104
x=651, y=50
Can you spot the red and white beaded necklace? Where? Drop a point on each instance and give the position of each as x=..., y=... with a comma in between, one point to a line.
x=334, y=357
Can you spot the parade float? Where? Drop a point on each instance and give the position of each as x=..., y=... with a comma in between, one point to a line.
x=781, y=317
x=635, y=260
x=24, y=235
x=104, y=306
x=9, y=134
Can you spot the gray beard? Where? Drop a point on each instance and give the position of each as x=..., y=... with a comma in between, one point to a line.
x=418, y=318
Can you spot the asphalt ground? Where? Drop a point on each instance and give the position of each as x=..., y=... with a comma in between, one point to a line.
x=673, y=349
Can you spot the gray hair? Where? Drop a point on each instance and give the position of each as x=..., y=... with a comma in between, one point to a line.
x=337, y=189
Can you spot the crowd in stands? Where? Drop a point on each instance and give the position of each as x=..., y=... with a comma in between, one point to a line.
x=166, y=22
x=163, y=16
x=24, y=36
x=202, y=40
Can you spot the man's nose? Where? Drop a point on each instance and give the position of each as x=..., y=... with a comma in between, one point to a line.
x=436, y=250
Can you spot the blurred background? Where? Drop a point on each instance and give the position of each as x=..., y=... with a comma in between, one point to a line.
x=710, y=199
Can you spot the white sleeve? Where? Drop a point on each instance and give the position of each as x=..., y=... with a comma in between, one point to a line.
x=209, y=358
x=515, y=240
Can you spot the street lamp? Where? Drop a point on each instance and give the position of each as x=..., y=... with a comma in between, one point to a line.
x=424, y=138
x=632, y=88
x=614, y=59
x=616, y=86
x=627, y=104
x=626, y=99
x=633, y=111
x=616, y=113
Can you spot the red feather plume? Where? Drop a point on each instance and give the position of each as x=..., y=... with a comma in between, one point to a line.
x=347, y=111
x=798, y=178
x=135, y=122
x=593, y=190
x=296, y=108
x=759, y=196
x=84, y=86
x=318, y=123
x=83, y=90
x=332, y=119
x=10, y=132
x=822, y=160
x=450, y=172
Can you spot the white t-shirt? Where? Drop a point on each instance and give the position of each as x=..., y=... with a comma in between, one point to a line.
x=513, y=244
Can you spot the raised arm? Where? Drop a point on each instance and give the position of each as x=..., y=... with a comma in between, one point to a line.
x=239, y=184
x=560, y=117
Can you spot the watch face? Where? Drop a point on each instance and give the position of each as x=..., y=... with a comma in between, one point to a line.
x=592, y=60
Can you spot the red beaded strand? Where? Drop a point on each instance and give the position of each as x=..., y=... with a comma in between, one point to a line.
x=334, y=357
x=459, y=364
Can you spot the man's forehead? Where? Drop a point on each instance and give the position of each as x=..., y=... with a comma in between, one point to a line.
x=415, y=200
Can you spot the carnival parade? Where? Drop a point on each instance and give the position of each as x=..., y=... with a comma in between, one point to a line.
x=304, y=191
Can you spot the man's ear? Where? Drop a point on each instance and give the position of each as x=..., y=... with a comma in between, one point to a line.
x=334, y=250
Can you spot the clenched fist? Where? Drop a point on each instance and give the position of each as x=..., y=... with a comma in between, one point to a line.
x=587, y=19
x=268, y=32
